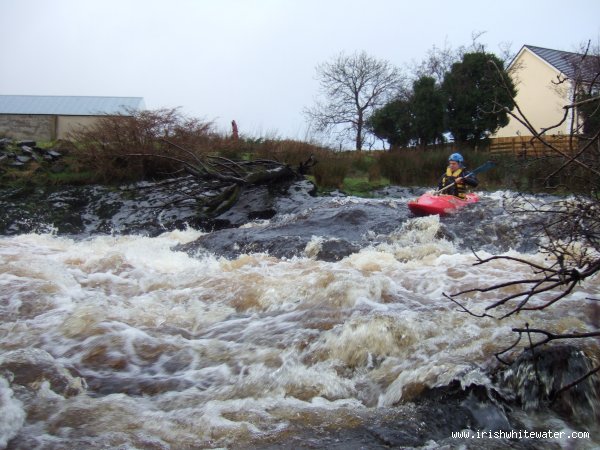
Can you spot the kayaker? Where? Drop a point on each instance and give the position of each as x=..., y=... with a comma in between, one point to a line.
x=454, y=181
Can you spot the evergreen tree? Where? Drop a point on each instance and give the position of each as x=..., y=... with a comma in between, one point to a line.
x=477, y=89
x=417, y=119
x=427, y=107
x=590, y=114
x=393, y=123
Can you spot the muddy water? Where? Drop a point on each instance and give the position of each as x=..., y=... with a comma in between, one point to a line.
x=126, y=342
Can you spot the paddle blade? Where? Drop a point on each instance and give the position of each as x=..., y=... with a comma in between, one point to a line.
x=487, y=166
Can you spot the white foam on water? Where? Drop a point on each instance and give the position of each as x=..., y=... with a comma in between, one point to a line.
x=12, y=413
x=251, y=342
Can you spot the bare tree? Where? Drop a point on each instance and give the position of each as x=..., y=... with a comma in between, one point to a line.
x=352, y=88
x=439, y=60
x=570, y=227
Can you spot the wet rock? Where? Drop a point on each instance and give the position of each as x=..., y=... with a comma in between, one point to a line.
x=343, y=228
x=232, y=242
x=263, y=202
x=30, y=367
x=27, y=150
x=427, y=422
x=336, y=250
x=284, y=220
x=26, y=143
x=147, y=208
x=461, y=408
x=254, y=202
x=53, y=154
x=487, y=415
x=536, y=379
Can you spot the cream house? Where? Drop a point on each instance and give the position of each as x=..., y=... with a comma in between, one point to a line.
x=545, y=80
x=48, y=117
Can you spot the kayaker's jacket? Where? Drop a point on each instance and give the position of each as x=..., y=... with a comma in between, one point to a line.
x=458, y=189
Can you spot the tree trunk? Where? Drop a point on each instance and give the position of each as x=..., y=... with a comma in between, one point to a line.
x=359, y=132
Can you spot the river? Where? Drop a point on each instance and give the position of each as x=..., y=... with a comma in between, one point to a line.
x=138, y=342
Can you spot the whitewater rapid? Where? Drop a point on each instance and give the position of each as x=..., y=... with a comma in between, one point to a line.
x=122, y=341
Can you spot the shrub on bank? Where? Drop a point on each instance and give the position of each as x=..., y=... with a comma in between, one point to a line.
x=112, y=148
x=412, y=167
x=331, y=170
x=289, y=151
x=106, y=146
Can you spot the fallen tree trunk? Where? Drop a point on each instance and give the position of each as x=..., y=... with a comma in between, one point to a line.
x=221, y=180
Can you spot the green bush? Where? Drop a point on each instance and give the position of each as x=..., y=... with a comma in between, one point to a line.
x=330, y=171
x=362, y=162
x=374, y=172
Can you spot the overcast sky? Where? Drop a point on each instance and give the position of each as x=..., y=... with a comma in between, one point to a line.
x=251, y=60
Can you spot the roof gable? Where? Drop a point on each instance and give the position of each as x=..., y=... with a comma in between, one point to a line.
x=68, y=105
x=568, y=63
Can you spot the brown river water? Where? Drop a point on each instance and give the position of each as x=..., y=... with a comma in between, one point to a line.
x=125, y=342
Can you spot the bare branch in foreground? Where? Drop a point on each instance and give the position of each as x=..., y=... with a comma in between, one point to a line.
x=553, y=336
x=575, y=383
x=465, y=309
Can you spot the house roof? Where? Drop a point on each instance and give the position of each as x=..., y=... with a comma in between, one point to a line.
x=68, y=105
x=568, y=63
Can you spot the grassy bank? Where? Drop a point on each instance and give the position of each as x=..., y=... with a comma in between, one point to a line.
x=102, y=153
x=365, y=171
x=356, y=173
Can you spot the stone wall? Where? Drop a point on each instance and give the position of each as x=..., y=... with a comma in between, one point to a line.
x=28, y=126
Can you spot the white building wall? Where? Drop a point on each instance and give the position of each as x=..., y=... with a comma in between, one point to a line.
x=539, y=97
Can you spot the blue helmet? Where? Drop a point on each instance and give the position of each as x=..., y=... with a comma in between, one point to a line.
x=456, y=157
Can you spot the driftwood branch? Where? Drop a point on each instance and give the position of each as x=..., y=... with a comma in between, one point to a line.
x=220, y=179
x=551, y=278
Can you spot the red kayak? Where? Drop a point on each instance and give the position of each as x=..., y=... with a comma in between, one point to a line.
x=428, y=204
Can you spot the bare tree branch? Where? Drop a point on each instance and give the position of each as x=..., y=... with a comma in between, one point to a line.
x=569, y=228
x=352, y=87
x=575, y=383
x=465, y=309
x=554, y=336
